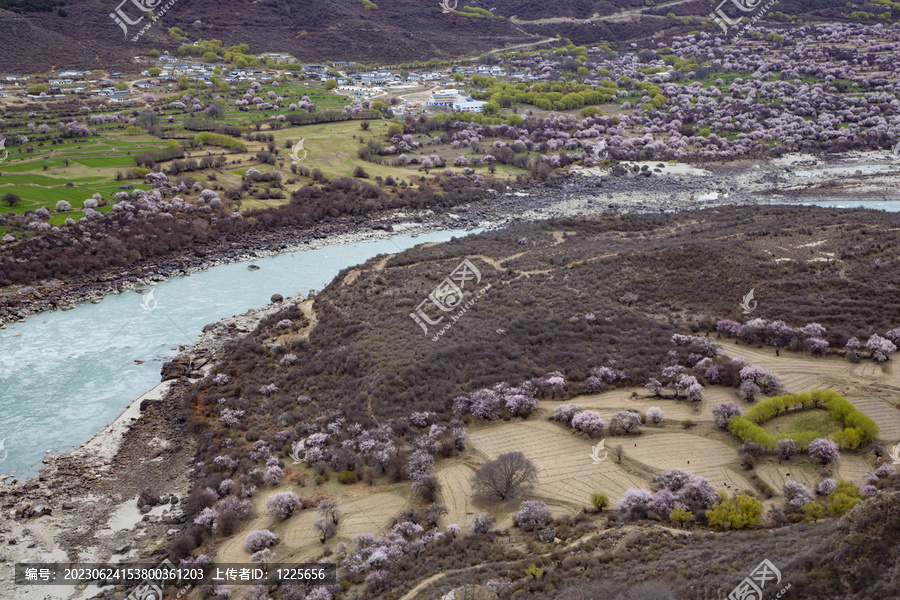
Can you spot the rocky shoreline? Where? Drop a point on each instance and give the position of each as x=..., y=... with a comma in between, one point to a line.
x=117, y=498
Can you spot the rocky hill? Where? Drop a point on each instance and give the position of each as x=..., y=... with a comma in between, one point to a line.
x=83, y=35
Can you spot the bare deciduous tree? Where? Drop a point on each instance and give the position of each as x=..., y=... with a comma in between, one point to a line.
x=328, y=509
x=506, y=477
x=326, y=529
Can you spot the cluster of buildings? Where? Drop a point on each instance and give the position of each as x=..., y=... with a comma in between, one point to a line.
x=361, y=84
x=454, y=100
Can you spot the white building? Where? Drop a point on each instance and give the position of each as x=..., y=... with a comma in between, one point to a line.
x=468, y=105
x=444, y=97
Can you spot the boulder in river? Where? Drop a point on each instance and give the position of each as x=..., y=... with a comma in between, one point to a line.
x=276, y=298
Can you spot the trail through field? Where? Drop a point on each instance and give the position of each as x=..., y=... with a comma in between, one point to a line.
x=299, y=541
x=777, y=475
x=527, y=44
x=715, y=460
x=369, y=513
x=456, y=494
x=619, y=16
x=566, y=472
x=623, y=535
x=885, y=415
x=608, y=403
x=798, y=372
x=853, y=468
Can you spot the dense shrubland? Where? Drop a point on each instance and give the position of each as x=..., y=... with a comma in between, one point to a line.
x=842, y=559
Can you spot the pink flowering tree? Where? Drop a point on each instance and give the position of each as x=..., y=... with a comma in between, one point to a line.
x=564, y=412
x=625, y=421
x=796, y=495
x=281, y=505
x=728, y=326
x=634, y=503
x=260, y=539
x=420, y=465
x=655, y=387
x=589, y=422
x=485, y=405
x=663, y=502
x=656, y=415
x=724, y=412
x=880, y=348
x=826, y=486
x=274, y=474
x=533, y=514
x=482, y=524
x=823, y=450
x=688, y=387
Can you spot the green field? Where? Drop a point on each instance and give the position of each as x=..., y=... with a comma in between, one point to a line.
x=112, y=161
x=817, y=420
x=48, y=169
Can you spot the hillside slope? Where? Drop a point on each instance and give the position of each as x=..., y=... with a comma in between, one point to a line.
x=83, y=35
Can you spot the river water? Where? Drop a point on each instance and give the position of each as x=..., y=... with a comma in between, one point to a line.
x=64, y=375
